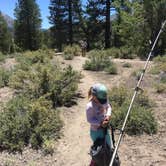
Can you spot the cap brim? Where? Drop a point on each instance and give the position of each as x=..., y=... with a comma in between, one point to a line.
x=102, y=101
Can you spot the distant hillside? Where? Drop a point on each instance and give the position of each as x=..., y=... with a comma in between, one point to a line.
x=9, y=20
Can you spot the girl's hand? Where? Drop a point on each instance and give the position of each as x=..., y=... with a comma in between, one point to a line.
x=107, y=118
x=105, y=123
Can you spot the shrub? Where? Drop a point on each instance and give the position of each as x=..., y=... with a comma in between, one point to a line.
x=122, y=52
x=160, y=68
x=32, y=57
x=68, y=56
x=141, y=119
x=111, y=69
x=160, y=65
x=127, y=65
x=99, y=61
x=71, y=51
x=45, y=122
x=118, y=95
x=15, y=125
x=28, y=122
x=48, y=147
x=137, y=74
x=2, y=57
x=77, y=49
x=160, y=88
x=30, y=118
x=4, y=77
x=126, y=53
x=63, y=89
x=113, y=52
x=58, y=85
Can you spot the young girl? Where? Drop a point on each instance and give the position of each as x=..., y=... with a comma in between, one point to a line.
x=98, y=112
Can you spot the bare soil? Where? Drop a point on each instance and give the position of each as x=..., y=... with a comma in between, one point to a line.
x=73, y=147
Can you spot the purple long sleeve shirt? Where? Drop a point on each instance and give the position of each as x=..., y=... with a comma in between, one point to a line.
x=94, y=114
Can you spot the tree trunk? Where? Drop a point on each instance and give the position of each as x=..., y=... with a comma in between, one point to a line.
x=107, y=25
x=70, y=23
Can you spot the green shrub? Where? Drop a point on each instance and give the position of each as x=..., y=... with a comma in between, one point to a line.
x=9, y=162
x=63, y=89
x=160, y=65
x=118, y=95
x=71, y=51
x=163, y=77
x=137, y=74
x=15, y=125
x=45, y=122
x=58, y=85
x=77, y=49
x=113, y=52
x=28, y=122
x=111, y=69
x=4, y=77
x=160, y=69
x=126, y=53
x=141, y=119
x=127, y=65
x=122, y=52
x=143, y=100
x=68, y=56
x=32, y=57
x=29, y=118
x=2, y=57
x=99, y=61
x=48, y=147
x=160, y=88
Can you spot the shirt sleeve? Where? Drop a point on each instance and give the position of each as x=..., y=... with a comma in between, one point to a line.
x=109, y=110
x=91, y=117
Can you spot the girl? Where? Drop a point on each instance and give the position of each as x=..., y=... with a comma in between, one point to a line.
x=98, y=113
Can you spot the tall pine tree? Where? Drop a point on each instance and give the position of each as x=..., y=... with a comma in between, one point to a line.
x=155, y=14
x=27, y=25
x=74, y=8
x=107, y=24
x=94, y=23
x=65, y=20
x=59, y=18
x=5, y=36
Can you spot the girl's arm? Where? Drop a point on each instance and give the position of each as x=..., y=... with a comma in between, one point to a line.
x=109, y=111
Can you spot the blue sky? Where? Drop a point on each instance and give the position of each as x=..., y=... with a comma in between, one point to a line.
x=7, y=7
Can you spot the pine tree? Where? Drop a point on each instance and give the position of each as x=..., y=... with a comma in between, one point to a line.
x=155, y=14
x=74, y=8
x=59, y=18
x=5, y=36
x=70, y=9
x=107, y=24
x=94, y=23
x=27, y=25
x=64, y=17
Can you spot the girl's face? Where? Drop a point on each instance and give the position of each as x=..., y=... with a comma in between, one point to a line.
x=99, y=101
x=96, y=100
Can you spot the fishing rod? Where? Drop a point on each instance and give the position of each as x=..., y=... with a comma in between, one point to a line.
x=135, y=93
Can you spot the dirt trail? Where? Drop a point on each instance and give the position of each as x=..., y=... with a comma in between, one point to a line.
x=72, y=149
x=135, y=151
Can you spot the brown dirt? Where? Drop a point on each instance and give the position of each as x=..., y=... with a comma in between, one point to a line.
x=72, y=149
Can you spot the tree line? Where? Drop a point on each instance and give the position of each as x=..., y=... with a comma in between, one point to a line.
x=135, y=27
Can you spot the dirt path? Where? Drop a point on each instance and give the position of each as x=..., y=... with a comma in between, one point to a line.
x=134, y=151
x=72, y=149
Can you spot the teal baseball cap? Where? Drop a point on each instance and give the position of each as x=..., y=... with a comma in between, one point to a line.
x=100, y=91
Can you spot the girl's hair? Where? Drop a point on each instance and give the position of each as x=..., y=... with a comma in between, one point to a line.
x=90, y=93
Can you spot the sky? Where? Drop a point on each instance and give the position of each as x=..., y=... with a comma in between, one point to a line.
x=8, y=6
